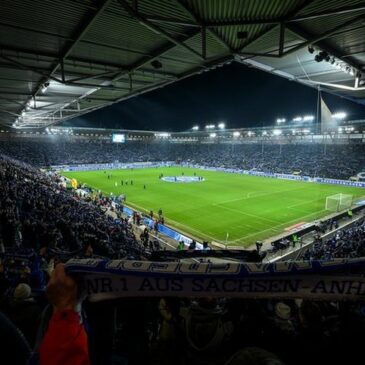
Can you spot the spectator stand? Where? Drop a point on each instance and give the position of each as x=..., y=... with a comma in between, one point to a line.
x=307, y=236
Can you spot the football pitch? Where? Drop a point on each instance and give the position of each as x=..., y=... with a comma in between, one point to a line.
x=239, y=209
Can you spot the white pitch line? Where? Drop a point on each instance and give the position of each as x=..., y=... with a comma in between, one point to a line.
x=244, y=213
x=302, y=203
x=275, y=227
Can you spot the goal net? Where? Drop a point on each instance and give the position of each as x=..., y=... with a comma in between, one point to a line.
x=338, y=202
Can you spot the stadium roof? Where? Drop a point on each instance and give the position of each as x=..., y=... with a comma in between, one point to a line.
x=61, y=59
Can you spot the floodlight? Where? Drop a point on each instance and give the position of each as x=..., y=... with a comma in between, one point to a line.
x=308, y=118
x=213, y=135
x=297, y=119
x=276, y=132
x=339, y=115
x=195, y=128
x=236, y=134
x=221, y=125
x=162, y=135
x=280, y=120
x=250, y=133
x=210, y=126
x=340, y=130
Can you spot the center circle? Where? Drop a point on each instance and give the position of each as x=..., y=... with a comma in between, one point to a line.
x=183, y=179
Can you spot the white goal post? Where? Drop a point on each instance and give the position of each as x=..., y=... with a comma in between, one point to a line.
x=338, y=202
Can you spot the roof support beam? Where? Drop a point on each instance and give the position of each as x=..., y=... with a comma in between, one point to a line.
x=281, y=39
x=156, y=29
x=292, y=14
x=91, y=63
x=79, y=33
x=202, y=24
x=336, y=11
x=156, y=54
x=287, y=19
x=319, y=40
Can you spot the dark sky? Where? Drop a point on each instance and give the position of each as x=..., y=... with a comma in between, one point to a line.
x=238, y=95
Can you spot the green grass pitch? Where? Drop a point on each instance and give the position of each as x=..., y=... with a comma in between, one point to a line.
x=248, y=208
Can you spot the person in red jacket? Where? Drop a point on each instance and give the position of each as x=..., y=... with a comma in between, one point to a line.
x=65, y=341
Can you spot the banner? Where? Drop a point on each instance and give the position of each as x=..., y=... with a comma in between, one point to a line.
x=317, y=280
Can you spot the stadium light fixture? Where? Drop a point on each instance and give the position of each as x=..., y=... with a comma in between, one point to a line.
x=162, y=135
x=276, y=132
x=280, y=120
x=339, y=115
x=195, y=128
x=308, y=118
x=213, y=135
x=297, y=119
x=236, y=134
x=210, y=126
x=44, y=87
x=221, y=125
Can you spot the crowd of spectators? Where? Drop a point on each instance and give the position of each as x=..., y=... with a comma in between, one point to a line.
x=315, y=160
x=42, y=223
x=347, y=243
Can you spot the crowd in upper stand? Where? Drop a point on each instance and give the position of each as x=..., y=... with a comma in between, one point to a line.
x=331, y=161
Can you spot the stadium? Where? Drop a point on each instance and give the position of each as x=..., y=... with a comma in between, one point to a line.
x=182, y=181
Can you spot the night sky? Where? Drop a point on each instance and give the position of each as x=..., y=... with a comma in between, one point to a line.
x=238, y=95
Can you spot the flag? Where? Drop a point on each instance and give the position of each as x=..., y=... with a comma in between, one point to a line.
x=74, y=183
x=328, y=123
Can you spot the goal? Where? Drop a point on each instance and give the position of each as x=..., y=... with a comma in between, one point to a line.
x=338, y=202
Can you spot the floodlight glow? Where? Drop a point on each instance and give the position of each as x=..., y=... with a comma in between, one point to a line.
x=340, y=130
x=236, y=134
x=221, y=125
x=213, y=135
x=308, y=118
x=195, y=128
x=280, y=120
x=276, y=132
x=162, y=135
x=210, y=126
x=297, y=119
x=339, y=115
x=250, y=133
